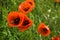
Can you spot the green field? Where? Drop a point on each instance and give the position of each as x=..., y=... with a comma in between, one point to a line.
x=45, y=11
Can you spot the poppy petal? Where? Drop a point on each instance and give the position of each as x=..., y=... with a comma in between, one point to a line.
x=43, y=29
x=23, y=28
x=31, y=2
x=26, y=24
x=55, y=38
x=15, y=18
x=57, y=1
x=25, y=7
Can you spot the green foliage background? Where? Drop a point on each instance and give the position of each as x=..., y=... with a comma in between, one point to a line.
x=39, y=14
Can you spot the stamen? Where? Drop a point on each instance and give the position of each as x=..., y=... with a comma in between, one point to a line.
x=26, y=9
x=26, y=22
x=15, y=21
x=44, y=30
x=30, y=3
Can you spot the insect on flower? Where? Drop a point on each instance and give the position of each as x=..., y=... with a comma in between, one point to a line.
x=43, y=29
x=26, y=7
x=55, y=38
x=26, y=24
x=15, y=18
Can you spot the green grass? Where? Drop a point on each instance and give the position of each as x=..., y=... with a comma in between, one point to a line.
x=38, y=15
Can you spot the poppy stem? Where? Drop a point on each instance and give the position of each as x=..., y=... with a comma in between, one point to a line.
x=1, y=17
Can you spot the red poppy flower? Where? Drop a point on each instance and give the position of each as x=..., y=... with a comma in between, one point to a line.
x=26, y=24
x=31, y=2
x=43, y=29
x=15, y=18
x=56, y=38
x=57, y=1
x=26, y=7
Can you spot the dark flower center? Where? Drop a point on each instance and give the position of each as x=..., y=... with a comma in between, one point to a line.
x=26, y=9
x=30, y=3
x=16, y=21
x=26, y=22
x=44, y=30
x=56, y=39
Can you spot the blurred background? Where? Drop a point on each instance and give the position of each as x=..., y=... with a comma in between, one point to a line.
x=46, y=11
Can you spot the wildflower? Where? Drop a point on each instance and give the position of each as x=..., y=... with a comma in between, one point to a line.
x=43, y=29
x=25, y=25
x=31, y=2
x=57, y=1
x=25, y=7
x=15, y=18
x=55, y=38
